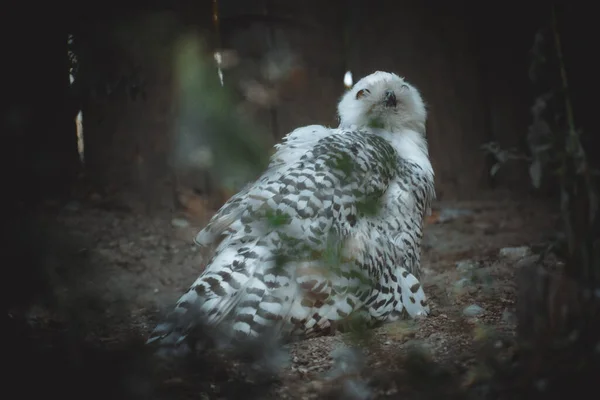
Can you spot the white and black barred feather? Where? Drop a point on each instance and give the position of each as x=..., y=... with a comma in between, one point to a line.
x=332, y=228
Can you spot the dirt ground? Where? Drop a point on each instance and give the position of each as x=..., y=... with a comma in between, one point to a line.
x=123, y=270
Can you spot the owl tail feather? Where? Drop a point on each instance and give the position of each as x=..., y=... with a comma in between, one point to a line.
x=174, y=336
x=414, y=300
x=223, y=303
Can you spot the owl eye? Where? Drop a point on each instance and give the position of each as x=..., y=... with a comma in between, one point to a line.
x=362, y=93
x=404, y=87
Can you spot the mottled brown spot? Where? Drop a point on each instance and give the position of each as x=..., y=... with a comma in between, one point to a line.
x=351, y=219
x=309, y=285
x=415, y=287
x=273, y=284
x=229, y=279
x=304, y=271
x=306, y=303
x=200, y=290
x=320, y=287
x=379, y=304
x=215, y=286
x=412, y=300
x=315, y=255
x=249, y=303
x=267, y=315
x=271, y=299
x=404, y=274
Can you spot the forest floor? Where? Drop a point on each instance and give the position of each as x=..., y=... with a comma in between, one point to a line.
x=112, y=274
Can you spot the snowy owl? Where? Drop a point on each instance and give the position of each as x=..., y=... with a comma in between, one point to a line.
x=332, y=229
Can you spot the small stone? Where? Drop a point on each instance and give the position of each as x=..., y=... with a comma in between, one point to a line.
x=449, y=214
x=515, y=253
x=508, y=317
x=465, y=285
x=465, y=266
x=527, y=261
x=462, y=283
x=180, y=222
x=473, y=311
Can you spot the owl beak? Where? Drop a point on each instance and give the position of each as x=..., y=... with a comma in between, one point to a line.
x=390, y=99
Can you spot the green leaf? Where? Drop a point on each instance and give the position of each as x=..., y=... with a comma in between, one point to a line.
x=277, y=218
x=343, y=163
x=376, y=123
x=369, y=206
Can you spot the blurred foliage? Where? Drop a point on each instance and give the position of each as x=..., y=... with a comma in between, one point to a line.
x=563, y=353
x=557, y=155
x=232, y=147
x=117, y=59
x=214, y=135
x=557, y=149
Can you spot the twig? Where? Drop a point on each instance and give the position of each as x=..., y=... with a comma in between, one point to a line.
x=575, y=152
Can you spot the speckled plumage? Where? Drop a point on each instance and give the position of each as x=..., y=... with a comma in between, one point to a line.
x=332, y=228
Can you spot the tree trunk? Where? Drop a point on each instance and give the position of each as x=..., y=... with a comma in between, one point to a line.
x=41, y=146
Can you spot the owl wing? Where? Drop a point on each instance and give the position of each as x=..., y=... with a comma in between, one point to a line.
x=292, y=147
x=285, y=258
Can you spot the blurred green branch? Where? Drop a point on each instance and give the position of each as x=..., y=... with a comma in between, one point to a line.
x=211, y=133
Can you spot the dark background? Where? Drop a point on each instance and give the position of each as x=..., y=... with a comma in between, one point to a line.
x=469, y=59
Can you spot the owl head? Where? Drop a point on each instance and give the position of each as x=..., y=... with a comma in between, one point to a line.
x=383, y=100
